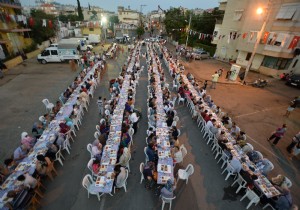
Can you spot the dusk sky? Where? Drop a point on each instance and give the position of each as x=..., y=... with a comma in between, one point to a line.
x=135, y=4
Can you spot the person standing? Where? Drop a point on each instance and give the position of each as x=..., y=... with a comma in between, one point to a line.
x=295, y=141
x=278, y=134
x=214, y=80
x=100, y=105
x=291, y=108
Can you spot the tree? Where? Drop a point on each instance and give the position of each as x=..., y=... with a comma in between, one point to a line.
x=113, y=20
x=67, y=18
x=36, y=33
x=140, y=31
x=175, y=22
x=79, y=10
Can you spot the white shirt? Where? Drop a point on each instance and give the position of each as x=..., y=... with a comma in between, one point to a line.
x=209, y=124
x=178, y=157
x=133, y=118
x=121, y=177
x=30, y=181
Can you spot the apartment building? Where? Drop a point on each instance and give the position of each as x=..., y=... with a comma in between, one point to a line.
x=13, y=36
x=129, y=16
x=278, y=49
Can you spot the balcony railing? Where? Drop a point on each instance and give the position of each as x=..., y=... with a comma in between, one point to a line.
x=11, y=3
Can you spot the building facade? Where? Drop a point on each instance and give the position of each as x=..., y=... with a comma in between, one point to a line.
x=236, y=34
x=13, y=36
x=126, y=15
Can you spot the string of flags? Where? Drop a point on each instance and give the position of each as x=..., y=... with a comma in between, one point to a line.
x=200, y=35
x=24, y=20
x=283, y=40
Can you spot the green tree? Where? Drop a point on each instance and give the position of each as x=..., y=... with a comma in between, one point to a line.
x=113, y=20
x=79, y=10
x=176, y=23
x=66, y=18
x=36, y=33
x=140, y=31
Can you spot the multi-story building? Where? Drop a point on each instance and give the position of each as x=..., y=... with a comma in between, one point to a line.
x=236, y=34
x=13, y=37
x=125, y=28
x=126, y=15
x=50, y=9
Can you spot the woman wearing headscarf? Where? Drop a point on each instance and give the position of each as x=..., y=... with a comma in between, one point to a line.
x=168, y=190
x=125, y=157
x=27, y=140
x=97, y=150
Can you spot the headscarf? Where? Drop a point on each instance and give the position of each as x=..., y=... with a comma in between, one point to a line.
x=169, y=185
x=23, y=135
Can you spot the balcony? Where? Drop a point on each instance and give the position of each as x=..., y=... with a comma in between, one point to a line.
x=11, y=3
x=222, y=5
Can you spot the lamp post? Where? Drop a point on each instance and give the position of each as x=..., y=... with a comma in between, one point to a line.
x=259, y=11
x=103, y=23
x=187, y=35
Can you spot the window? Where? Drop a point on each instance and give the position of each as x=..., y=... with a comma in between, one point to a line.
x=248, y=56
x=54, y=52
x=238, y=14
x=45, y=53
x=276, y=63
x=286, y=12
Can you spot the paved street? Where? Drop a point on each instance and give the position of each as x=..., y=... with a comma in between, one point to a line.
x=206, y=189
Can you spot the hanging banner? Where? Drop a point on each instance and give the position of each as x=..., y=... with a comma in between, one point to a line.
x=244, y=35
x=50, y=24
x=265, y=38
x=31, y=22
x=294, y=42
x=44, y=24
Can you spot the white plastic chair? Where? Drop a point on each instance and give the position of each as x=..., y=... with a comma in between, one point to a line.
x=90, y=167
x=268, y=205
x=66, y=146
x=147, y=158
x=98, y=128
x=59, y=157
x=224, y=158
x=250, y=145
x=49, y=106
x=183, y=151
x=179, y=132
x=230, y=170
x=141, y=170
x=241, y=182
x=87, y=183
x=96, y=135
x=131, y=132
x=123, y=184
x=167, y=200
x=184, y=174
x=89, y=148
x=180, y=99
x=259, y=154
x=254, y=199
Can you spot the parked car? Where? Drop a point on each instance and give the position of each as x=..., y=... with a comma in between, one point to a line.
x=199, y=55
x=294, y=80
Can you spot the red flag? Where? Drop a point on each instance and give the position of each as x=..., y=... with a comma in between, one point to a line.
x=50, y=24
x=7, y=17
x=244, y=35
x=265, y=39
x=31, y=22
x=294, y=42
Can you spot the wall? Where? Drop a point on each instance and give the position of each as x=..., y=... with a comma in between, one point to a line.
x=87, y=31
x=296, y=68
x=241, y=60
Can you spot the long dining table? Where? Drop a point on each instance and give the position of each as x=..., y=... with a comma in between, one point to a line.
x=165, y=167
x=28, y=164
x=105, y=179
x=263, y=184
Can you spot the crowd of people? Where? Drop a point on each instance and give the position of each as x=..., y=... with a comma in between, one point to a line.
x=78, y=93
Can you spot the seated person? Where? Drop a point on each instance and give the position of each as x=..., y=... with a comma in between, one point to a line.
x=236, y=164
x=20, y=153
x=125, y=139
x=97, y=150
x=174, y=132
x=37, y=130
x=222, y=140
x=151, y=152
x=281, y=181
x=27, y=140
x=235, y=130
x=253, y=156
x=27, y=181
x=177, y=154
x=64, y=128
x=265, y=166
x=96, y=166
x=10, y=165
x=120, y=175
x=168, y=190
x=125, y=157
x=44, y=166
x=241, y=136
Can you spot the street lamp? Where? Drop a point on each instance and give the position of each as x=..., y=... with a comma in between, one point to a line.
x=259, y=11
x=103, y=23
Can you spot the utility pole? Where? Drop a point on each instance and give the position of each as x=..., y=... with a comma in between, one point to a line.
x=188, y=31
x=259, y=35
